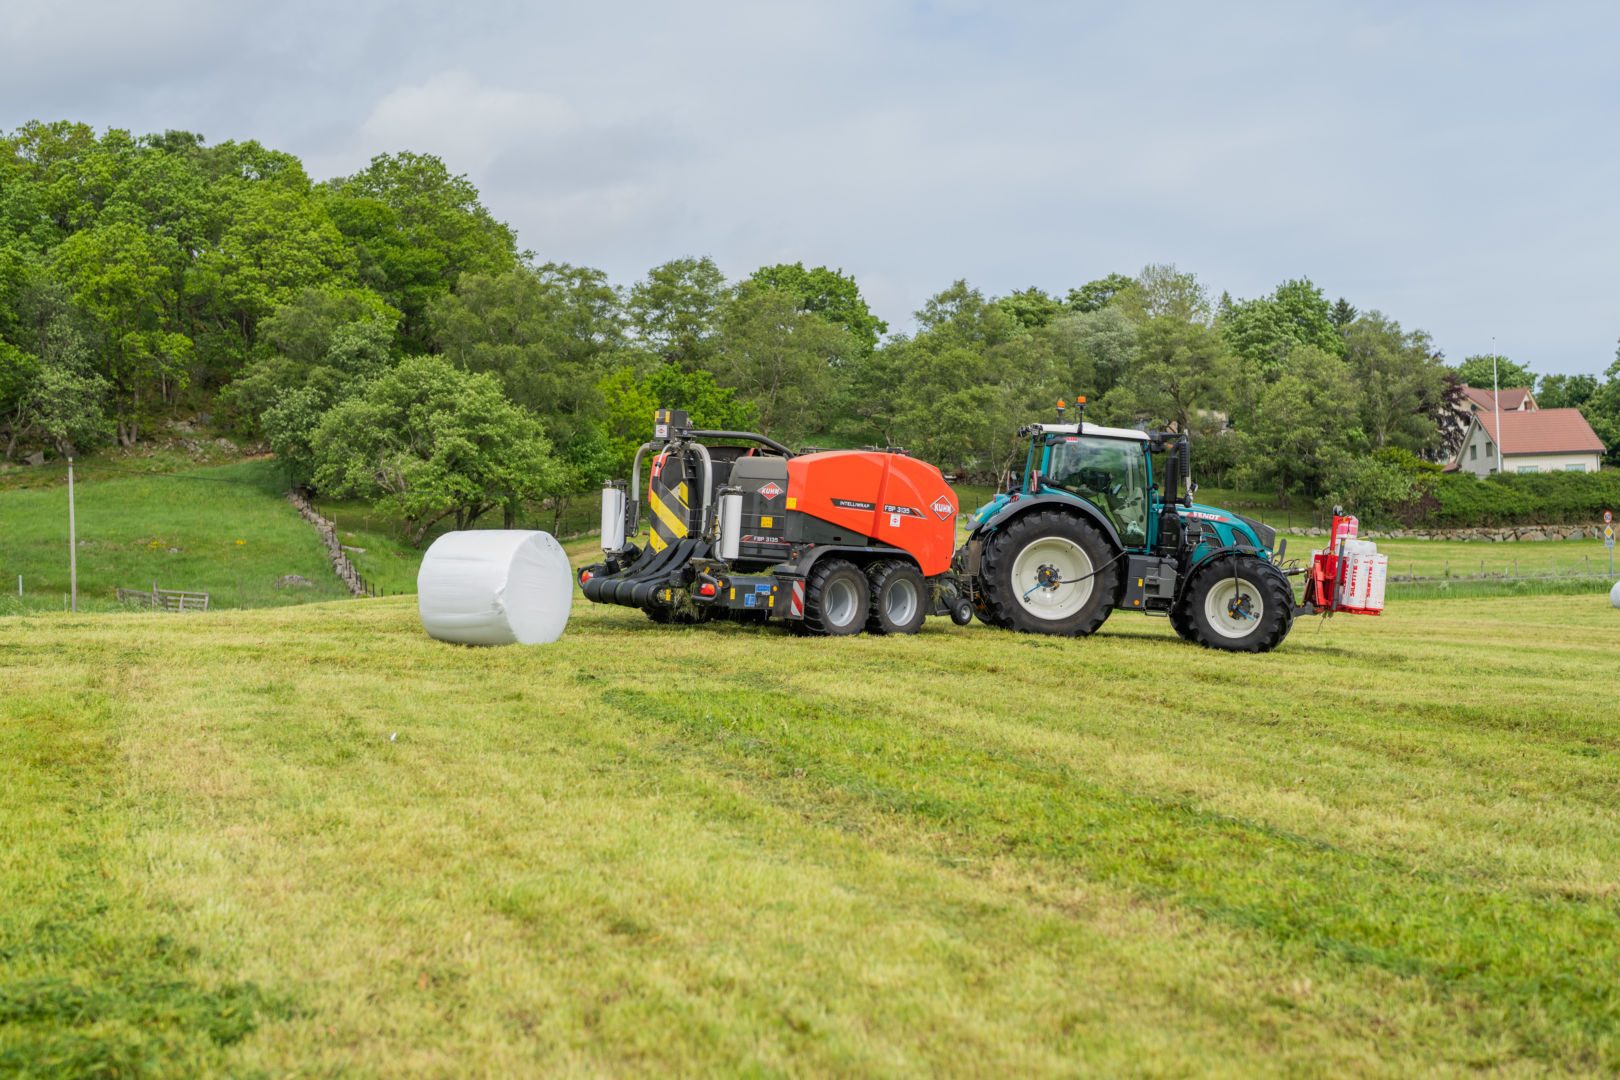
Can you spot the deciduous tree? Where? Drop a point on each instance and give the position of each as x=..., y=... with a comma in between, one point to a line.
x=428, y=441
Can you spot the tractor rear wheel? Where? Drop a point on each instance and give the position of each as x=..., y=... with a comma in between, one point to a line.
x=899, y=598
x=1048, y=573
x=1238, y=604
x=837, y=599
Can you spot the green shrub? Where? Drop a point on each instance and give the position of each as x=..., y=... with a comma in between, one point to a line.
x=1464, y=501
x=1395, y=487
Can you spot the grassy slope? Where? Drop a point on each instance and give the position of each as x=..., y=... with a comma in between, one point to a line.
x=128, y=526
x=715, y=848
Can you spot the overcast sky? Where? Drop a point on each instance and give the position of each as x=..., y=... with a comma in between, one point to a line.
x=1457, y=167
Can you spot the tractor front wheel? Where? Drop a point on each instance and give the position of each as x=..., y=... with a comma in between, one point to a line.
x=1048, y=573
x=1238, y=604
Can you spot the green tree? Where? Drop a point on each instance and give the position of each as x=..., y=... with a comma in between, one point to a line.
x=428, y=441
x=966, y=381
x=1566, y=391
x=549, y=333
x=780, y=359
x=1303, y=434
x=1098, y=294
x=116, y=273
x=1401, y=383
x=1476, y=372
x=631, y=401
x=278, y=243
x=1161, y=291
x=1030, y=308
x=326, y=341
x=675, y=310
x=415, y=228
x=1181, y=369
x=1344, y=313
x=1602, y=410
x=1264, y=331
x=1090, y=351
x=831, y=294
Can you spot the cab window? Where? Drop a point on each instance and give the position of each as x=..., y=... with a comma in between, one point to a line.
x=1110, y=473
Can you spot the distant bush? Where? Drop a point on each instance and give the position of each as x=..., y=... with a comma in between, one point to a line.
x=1463, y=501
x=1394, y=487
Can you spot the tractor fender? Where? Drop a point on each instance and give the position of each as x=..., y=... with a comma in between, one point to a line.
x=1025, y=503
x=1235, y=550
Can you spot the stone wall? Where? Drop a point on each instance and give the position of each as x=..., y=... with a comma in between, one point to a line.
x=341, y=566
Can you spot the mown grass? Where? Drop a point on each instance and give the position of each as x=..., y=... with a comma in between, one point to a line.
x=1383, y=849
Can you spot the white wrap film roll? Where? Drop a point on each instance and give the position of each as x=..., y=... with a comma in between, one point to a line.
x=495, y=587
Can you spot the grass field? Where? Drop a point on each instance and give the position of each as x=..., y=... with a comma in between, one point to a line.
x=311, y=841
x=225, y=530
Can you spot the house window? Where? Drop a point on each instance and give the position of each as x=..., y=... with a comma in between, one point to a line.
x=1473, y=453
x=1529, y=468
x=1578, y=467
x=1490, y=449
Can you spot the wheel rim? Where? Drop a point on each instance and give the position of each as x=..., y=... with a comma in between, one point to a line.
x=839, y=601
x=1234, y=607
x=1051, y=577
x=900, y=601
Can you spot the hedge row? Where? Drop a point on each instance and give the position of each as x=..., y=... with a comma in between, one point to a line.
x=1461, y=501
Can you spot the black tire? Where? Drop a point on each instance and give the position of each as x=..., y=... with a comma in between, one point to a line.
x=1182, y=627
x=1251, y=582
x=899, y=598
x=837, y=598
x=999, y=599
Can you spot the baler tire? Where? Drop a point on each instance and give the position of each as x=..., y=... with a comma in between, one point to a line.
x=886, y=576
x=1277, y=605
x=831, y=576
x=997, y=601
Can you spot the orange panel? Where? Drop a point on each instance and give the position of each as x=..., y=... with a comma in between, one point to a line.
x=841, y=486
x=918, y=513
x=894, y=499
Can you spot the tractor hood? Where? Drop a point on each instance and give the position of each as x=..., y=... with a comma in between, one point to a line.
x=1231, y=528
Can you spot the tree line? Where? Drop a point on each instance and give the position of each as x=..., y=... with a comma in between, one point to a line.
x=388, y=338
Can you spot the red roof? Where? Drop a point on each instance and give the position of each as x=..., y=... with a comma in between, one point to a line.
x=1542, y=431
x=1512, y=399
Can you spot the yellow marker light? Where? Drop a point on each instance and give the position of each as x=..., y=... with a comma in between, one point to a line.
x=765, y=522
x=793, y=503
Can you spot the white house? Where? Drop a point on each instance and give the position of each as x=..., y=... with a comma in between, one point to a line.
x=1531, y=440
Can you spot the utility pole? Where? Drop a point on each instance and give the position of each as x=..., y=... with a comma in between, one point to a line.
x=73, y=543
x=1496, y=403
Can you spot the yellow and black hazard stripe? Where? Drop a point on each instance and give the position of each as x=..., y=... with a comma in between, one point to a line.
x=670, y=502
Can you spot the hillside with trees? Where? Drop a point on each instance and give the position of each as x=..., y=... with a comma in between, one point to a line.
x=387, y=337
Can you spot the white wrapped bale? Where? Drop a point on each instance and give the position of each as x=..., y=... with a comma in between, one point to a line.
x=495, y=587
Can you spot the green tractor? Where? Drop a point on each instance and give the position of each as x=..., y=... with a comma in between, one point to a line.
x=1087, y=530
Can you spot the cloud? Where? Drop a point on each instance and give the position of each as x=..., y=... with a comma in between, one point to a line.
x=463, y=120
x=1450, y=163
